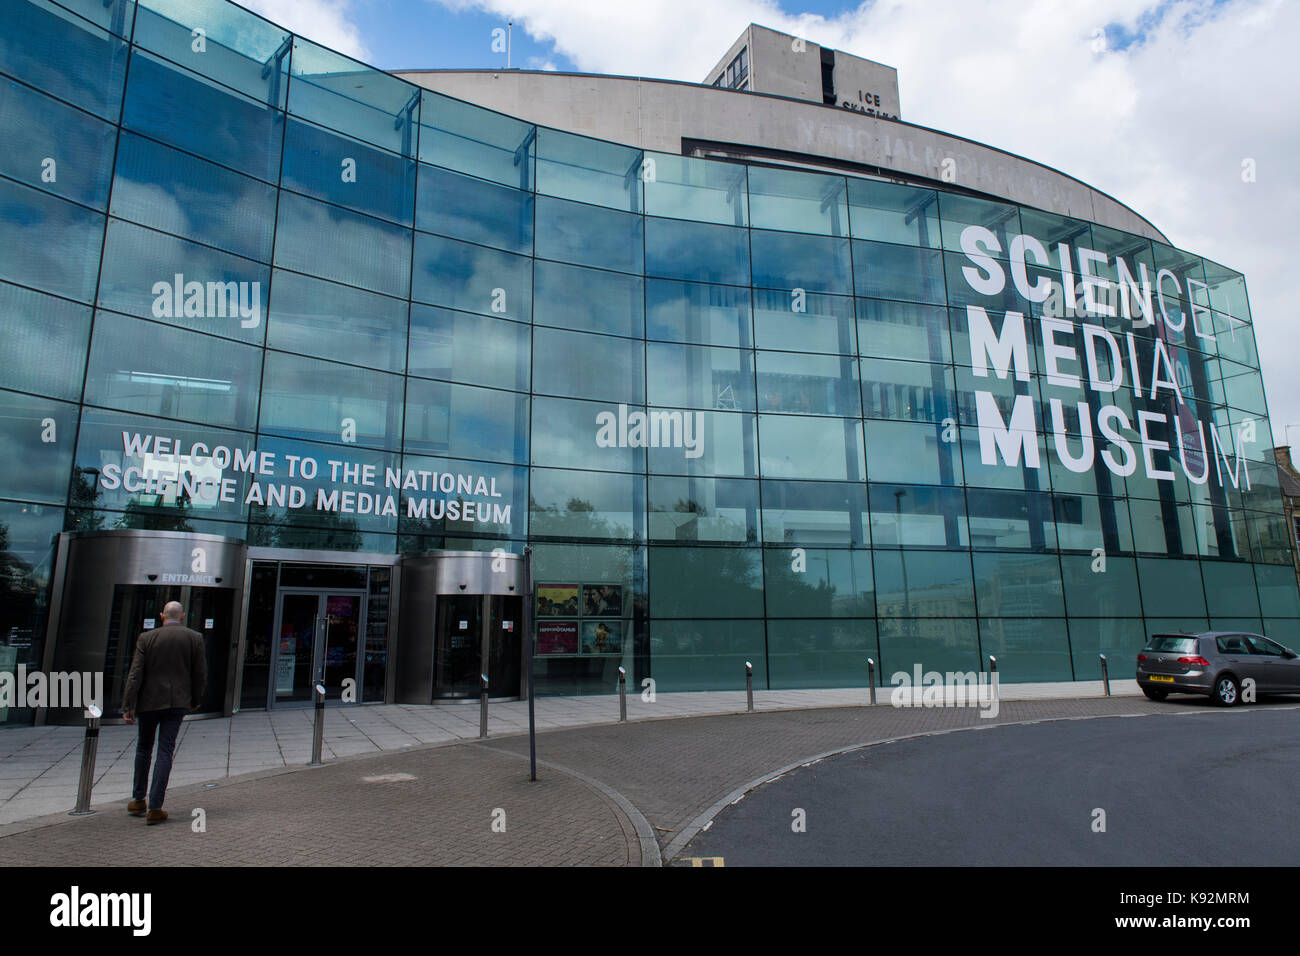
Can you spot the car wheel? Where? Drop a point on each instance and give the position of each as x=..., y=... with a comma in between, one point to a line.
x=1227, y=691
x=1155, y=693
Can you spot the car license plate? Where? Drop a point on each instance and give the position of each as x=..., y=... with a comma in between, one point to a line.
x=1162, y=680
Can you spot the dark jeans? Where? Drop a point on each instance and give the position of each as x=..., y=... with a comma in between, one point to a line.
x=166, y=724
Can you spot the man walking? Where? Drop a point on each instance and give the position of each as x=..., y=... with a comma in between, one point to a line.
x=168, y=674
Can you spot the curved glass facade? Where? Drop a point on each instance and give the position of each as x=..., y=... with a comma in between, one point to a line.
x=254, y=288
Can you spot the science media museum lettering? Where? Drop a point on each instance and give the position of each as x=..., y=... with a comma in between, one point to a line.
x=324, y=363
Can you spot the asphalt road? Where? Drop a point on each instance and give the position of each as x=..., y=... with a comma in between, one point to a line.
x=1201, y=787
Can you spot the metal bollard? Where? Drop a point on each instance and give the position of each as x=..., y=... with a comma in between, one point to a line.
x=482, y=707
x=1105, y=676
x=871, y=677
x=89, y=750
x=749, y=687
x=622, y=695
x=318, y=730
x=993, y=676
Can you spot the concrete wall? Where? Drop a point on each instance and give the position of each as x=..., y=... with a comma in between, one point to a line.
x=659, y=114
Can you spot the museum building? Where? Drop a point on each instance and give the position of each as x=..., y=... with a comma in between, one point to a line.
x=754, y=369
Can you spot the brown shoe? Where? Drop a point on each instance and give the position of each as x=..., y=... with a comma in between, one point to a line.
x=155, y=816
x=137, y=808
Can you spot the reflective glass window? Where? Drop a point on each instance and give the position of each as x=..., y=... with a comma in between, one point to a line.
x=720, y=510
x=472, y=278
x=905, y=451
x=153, y=275
x=691, y=376
x=711, y=443
x=818, y=653
x=475, y=349
x=957, y=212
x=712, y=582
x=315, y=317
x=36, y=435
x=585, y=504
x=917, y=516
x=703, y=314
x=1171, y=587
x=810, y=513
x=903, y=330
x=64, y=56
x=588, y=235
x=498, y=505
x=49, y=243
x=801, y=446
x=589, y=300
x=344, y=171
x=923, y=584
x=824, y=582
x=1112, y=593
x=345, y=246
x=1027, y=650
x=684, y=187
x=344, y=502
x=312, y=399
x=813, y=323
x=575, y=434
x=700, y=251
x=1018, y=585
x=241, y=132
x=907, y=391
x=579, y=365
x=461, y=136
x=337, y=92
x=39, y=131
x=589, y=170
x=813, y=263
x=166, y=189
x=886, y=271
x=465, y=422
x=937, y=644
x=464, y=207
x=808, y=384
x=161, y=370
x=891, y=212
x=1013, y=520
x=689, y=655
x=798, y=201
x=52, y=335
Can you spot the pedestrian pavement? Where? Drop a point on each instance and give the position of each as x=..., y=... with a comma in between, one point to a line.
x=40, y=766
x=607, y=794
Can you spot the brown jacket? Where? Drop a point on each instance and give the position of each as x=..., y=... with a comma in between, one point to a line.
x=170, y=669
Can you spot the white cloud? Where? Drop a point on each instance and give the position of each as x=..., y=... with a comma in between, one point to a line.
x=330, y=23
x=1163, y=125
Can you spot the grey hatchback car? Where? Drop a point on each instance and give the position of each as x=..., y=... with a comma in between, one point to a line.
x=1216, y=664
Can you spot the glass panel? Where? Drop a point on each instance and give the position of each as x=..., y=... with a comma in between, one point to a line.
x=585, y=504
x=798, y=201
x=243, y=133
x=808, y=384
x=819, y=653
x=589, y=170
x=699, y=655
x=923, y=584
x=1118, y=638
x=36, y=435
x=903, y=330
x=52, y=335
x=699, y=251
x=49, y=243
x=812, y=263
x=154, y=369
x=466, y=422
x=340, y=93
x=328, y=320
x=589, y=235
x=798, y=446
x=958, y=212
x=347, y=497
x=890, y=212
x=492, y=500
x=346, y=172
x=1170, y=587
x=461, y=136
x=472, y=278
x=917, y=516
x=689, y=376
x=1027, y=650
x=717, y=582
x=309, y=398
x=345, y=246
x=468, y=348
x=941, y=645
x=464, y=207
x=684, y=187
x=719, y=510
x=153, y=275
x=887, y=271
x=823, y=582
x=38, y=130
x=1018, y=585
x=828, y=513
x=815, y=323
x=712, y=443
x=1011, y=519
x=907, y=452
x=177, y=193
x=706, y=314
x=64, y=56
x=589, y=300
x=909, y=391
x=565, y=434
x=578, y=365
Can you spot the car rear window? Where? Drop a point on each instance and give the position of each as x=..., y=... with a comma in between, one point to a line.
x=1172, y=644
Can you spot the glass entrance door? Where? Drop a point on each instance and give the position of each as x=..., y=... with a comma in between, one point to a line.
x=477, y=634
x=317, y=638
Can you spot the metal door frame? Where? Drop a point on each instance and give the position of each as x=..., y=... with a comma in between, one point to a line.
x=318, y=641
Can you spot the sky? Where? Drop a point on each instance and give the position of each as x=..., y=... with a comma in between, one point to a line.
x=1186, y=110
